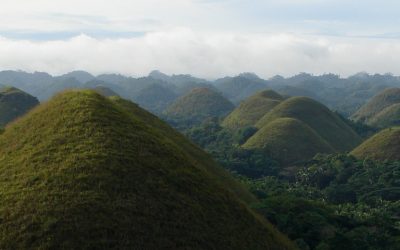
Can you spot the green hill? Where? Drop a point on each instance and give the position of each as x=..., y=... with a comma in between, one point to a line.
x=388, y=117
x=324, y=122
x=14, y=103
x=252, y=109
x=289, y=141
x=368, y=112
x=199, y=104
x=383, y=146
x=86, y=172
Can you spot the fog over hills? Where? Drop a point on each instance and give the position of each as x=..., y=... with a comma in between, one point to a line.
x=345, y=95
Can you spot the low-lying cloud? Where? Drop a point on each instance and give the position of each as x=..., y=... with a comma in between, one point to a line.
x=208, y=55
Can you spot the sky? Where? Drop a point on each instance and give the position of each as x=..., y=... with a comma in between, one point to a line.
x=206, y=38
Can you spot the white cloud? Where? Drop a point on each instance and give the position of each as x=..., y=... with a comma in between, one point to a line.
x=209, y=55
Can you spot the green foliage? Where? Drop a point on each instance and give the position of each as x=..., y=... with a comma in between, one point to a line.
x=199, y=104
x=252, y=109
x=14, y=103
x=337, y=202
x=384, y=145
x=86, y=172
x=223, y=145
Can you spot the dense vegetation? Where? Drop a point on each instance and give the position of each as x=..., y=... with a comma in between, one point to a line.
x=83, y=171
x=14, y=103
x=329, y=202
x=336, y=202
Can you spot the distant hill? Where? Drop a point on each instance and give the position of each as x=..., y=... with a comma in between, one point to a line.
x=104, y=91
x=289, y=141
x=383, y=146
x=296, y=91
x=155, y=98
x=14, y=103
x=79, y=75
x=240, y=87
x=252, y=109
x=83, y=171
x=199, y=104
x=382, y=110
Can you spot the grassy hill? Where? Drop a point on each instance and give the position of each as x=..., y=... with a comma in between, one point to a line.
x=368, y=112
x=289, y=141
x=14, y=103
x=252, y=109
x=83, y=171
x=324, y=122
x=198, y=104
x=388, y=117
x=383, y=146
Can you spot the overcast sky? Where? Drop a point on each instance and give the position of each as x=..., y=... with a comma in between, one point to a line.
x=207, y=38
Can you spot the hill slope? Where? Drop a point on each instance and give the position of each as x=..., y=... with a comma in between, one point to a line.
x=388, y=117
x=377, y=104
x=383, y=146
x=318, y=117
x=14, y=103
x=83, y=171
x=252, y=109
x=289, y=141
x=198, y=104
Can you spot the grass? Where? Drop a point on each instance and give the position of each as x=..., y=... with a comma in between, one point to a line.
x=14, y=103
x=252, y=109
x=388, y=117
x=383, y=146
x=83, y=171
x=289, y=141
x=377, y=104
x=198, y=104
x=324, y=122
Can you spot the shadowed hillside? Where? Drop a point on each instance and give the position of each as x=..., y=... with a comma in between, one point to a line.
x=83, y=171
x=14, y=103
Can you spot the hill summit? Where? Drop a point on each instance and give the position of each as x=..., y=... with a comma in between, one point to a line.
x=198, y=104
x=252, y=109
x=14, y=103
x=83, y=171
